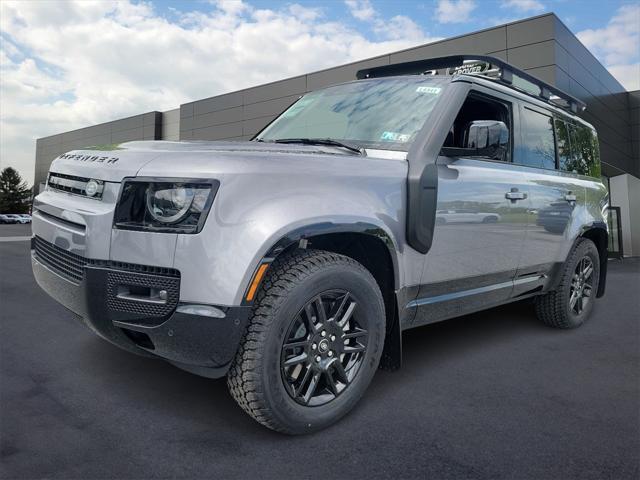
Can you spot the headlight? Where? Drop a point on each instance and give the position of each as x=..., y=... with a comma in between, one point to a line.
x=164, y=205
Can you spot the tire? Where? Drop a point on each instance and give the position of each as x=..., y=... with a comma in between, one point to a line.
x=556, y=308
x=286, y=306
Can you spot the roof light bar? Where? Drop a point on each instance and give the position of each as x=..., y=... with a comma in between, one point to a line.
x=490, y=67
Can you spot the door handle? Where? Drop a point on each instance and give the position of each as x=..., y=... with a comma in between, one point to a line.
x=570, y=197
x=514, y=195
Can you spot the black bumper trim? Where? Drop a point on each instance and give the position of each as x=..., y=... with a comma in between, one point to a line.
x=202, y=344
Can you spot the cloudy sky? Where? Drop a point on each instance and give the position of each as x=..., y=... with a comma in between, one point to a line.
x=69, y=64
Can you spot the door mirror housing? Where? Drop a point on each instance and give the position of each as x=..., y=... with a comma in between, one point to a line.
x=482, y=138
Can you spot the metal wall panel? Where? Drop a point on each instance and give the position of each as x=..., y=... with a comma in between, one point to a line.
x=146, y=126
x=541, y=45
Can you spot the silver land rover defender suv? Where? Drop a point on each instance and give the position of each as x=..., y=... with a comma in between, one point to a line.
x=292, y=263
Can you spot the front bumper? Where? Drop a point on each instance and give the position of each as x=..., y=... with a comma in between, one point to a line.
x=99, y=293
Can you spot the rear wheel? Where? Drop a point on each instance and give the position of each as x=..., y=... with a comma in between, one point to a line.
x=313, y=343
x=571, y=302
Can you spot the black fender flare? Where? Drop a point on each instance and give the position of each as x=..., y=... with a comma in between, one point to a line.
x=306, y=232
x=601, y=226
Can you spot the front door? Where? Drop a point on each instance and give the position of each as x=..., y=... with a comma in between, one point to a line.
x=481, y=223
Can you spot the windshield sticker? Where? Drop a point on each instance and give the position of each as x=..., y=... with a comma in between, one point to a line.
x=395, y=137
x=297, y=107
x=432, y=90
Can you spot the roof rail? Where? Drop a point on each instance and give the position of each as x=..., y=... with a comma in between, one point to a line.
x=483, y=65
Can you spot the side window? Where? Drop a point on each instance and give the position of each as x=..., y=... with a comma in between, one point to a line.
x=538, y=146
x=482, y=128
x=585, y=152
x=563, y=145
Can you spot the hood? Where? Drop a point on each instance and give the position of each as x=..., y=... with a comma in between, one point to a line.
x=115, y=162
x=110, y=163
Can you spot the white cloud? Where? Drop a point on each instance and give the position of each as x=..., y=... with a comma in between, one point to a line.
x=361, y=9
x=627, y=75
x=452, y=11
x=66, y=65
x=524, y=5
x=619, y=40
x=618, y=44
x=395, y=28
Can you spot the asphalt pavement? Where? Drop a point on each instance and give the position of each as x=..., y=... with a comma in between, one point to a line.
x=490, y=395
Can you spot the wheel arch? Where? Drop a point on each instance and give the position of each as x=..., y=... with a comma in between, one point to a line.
x=598, y=234
x=370, y=245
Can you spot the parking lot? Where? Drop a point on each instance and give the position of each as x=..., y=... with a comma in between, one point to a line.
x=490, y=395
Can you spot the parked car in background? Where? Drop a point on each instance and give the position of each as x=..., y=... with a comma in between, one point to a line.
x=4, y=218
x=26, y=216
x=18, y=218
x=465, y=216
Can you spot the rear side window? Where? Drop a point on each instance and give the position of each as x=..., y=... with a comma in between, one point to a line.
x=563, y=146
x=585, y=152
x=538, y=147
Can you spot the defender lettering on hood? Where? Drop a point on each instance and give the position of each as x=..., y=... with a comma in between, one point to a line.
x=89, y=158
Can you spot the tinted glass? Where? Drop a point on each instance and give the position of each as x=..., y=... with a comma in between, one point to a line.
x=585, y=151
x=537, y=149
x=381, y=113
x=563, y=145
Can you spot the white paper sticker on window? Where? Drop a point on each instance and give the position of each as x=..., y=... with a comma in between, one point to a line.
x=395, y=137
x=431, y=90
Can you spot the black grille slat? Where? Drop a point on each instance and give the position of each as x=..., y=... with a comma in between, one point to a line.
x=57, y=263
x=67, y=264
x=71, y=265
x=62, y=254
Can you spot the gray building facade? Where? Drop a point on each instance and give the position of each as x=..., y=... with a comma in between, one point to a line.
x=541, y=45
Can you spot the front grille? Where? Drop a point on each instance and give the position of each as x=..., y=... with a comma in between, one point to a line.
x=71, y=265
x=66, y=264
x=73, y=184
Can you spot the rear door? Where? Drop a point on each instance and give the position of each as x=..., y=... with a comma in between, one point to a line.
x=555, y=197
x=481, y=222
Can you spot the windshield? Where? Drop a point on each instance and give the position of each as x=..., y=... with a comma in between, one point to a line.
x=384, y=113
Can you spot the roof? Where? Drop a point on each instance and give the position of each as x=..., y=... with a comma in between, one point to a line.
x=485, y=66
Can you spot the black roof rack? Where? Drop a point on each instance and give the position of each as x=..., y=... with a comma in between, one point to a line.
x=490, y=67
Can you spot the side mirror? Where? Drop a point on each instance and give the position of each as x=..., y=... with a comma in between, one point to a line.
x=489, y=138
x=482, y=138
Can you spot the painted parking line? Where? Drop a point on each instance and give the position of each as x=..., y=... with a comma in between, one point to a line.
x=14, y=239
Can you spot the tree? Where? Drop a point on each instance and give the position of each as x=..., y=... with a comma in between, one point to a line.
x=14, y=192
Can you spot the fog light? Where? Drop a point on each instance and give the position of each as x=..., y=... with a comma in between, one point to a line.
x=202, y=310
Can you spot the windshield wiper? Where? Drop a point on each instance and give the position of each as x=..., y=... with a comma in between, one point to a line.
x=322, y=141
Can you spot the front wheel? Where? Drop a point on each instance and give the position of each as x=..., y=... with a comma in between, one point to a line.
x=313, y=342
x=571, y=302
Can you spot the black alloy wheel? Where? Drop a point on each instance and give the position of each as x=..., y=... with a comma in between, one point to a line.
x=581, y=285
x=323, y=348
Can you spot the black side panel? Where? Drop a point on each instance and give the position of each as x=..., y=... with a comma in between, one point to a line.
x=421, y=208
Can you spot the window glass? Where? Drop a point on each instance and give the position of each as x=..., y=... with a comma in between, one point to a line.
x=384, y=113
x=480, y=108
x=563, y=145
x=537, y=149
x=585, y=152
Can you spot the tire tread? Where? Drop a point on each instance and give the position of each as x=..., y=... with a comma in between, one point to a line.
x=282, y=276
x=551, y=307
